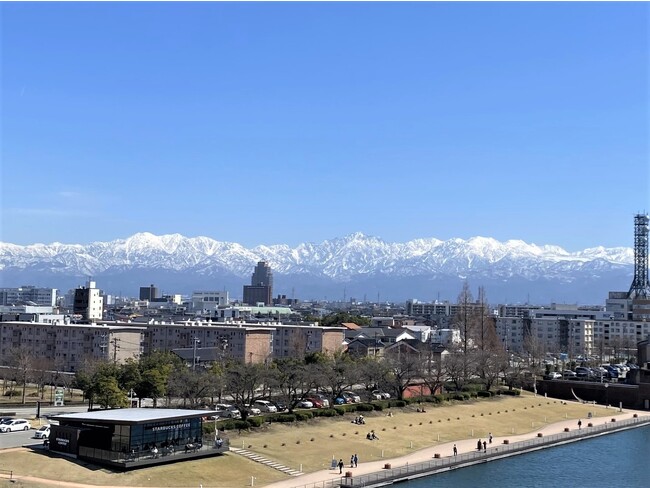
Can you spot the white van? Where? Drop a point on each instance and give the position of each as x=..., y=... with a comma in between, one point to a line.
x=265, y=406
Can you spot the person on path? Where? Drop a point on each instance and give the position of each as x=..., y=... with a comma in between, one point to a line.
x=484, y=446
x=479, y=445
x=579, y=424
x=341, y=466
x=352, y=461
x=490, y=434
x=356, y=460
x=455, y=450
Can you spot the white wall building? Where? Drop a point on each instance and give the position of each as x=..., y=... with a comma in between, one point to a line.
x=206, y=302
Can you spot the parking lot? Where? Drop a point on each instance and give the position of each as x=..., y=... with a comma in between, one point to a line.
x=18, y=439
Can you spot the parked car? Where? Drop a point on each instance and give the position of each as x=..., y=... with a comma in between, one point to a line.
x=228, y=411
x=5, y=420
x=351, y=397
x=323, y=399
x=252, y=410
x=339, y=400
x=553, y=375
x=611, y=371
x=567, y=373
x=380, y=395
x=265, y=406
x=14, y=425
x=280, y=406
x=43, y=432
x=583, y=372
x=304, y=404
x=317, y=402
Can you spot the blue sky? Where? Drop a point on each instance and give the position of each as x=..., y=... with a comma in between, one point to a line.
x=290, y=122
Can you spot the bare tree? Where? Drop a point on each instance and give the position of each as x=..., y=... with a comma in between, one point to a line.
x=489, y=364
x=456, y=366
x=22, y=364
x=535, y=350
x=243, y=380
x=373, y=373
x=337, y=372
x=433, y=372
x=404, y=366
x=294, y=380
x=464, y=317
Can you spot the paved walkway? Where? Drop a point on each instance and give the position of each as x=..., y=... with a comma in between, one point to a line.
x=446, y=450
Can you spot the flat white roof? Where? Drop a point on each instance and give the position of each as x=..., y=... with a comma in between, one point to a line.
x=134, y=415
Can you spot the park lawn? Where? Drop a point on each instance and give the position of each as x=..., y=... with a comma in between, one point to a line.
x=229, y=470
x=314, y=443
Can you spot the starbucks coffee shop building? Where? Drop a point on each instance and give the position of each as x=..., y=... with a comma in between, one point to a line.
x=135, y=437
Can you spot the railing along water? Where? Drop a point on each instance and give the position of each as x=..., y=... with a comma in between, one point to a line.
x=446, y=463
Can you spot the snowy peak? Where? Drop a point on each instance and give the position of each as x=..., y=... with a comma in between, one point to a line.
x=340, y=259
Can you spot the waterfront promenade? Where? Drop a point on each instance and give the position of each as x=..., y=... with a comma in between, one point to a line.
x=371, y=473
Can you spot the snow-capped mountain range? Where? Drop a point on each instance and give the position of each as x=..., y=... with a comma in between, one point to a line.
x=354, y=265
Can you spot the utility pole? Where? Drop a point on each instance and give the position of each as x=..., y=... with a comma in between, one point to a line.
x=115, y=342
x=194, y=357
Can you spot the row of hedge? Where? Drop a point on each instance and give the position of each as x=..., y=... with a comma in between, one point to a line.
x=338, y=410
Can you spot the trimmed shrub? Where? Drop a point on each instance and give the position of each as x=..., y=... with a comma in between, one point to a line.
x=303, y=415
x=255, y=421
x=325, y=412
x=232, y=424
x=484, y=394
x=348, y=407
x=283, y=417
x=365, y=407
x=439, y=398
x=378, y=406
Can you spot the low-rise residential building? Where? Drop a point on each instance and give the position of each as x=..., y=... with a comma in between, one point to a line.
x=67, y=345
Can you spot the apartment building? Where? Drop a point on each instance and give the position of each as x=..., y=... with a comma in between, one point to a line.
x=88, y=302
x=248, y=342
x=67, y=345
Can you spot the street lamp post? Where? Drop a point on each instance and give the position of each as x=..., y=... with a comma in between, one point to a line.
x=606, y=395
x=131, y=395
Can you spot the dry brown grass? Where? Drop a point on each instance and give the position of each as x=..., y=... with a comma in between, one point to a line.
x=313, y=444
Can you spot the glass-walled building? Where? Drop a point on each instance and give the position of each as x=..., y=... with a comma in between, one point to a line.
x=129, y=438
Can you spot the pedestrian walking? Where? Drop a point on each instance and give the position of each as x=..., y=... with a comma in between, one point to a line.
x=479, y=445
x=352, y=461
x=490, y=434
x=455, y=450
x=579, y=424
x=341, y=466
x=484, y=446
x=356, y=460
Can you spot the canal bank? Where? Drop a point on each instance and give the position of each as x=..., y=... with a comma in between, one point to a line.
x=440, y=458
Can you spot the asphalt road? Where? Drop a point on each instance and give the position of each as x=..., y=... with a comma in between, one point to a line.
x=18, y=439
x=26, y=438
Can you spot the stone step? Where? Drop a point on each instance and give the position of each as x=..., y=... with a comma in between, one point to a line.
x=267, y=462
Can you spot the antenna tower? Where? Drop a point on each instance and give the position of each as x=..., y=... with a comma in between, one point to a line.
x=640, y=287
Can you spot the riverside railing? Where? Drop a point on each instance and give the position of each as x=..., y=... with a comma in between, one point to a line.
x=391, y=474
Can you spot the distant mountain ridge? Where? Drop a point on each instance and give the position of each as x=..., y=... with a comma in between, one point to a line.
x=354, y=264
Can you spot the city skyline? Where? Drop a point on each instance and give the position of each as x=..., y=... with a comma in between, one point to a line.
x=287, y=123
